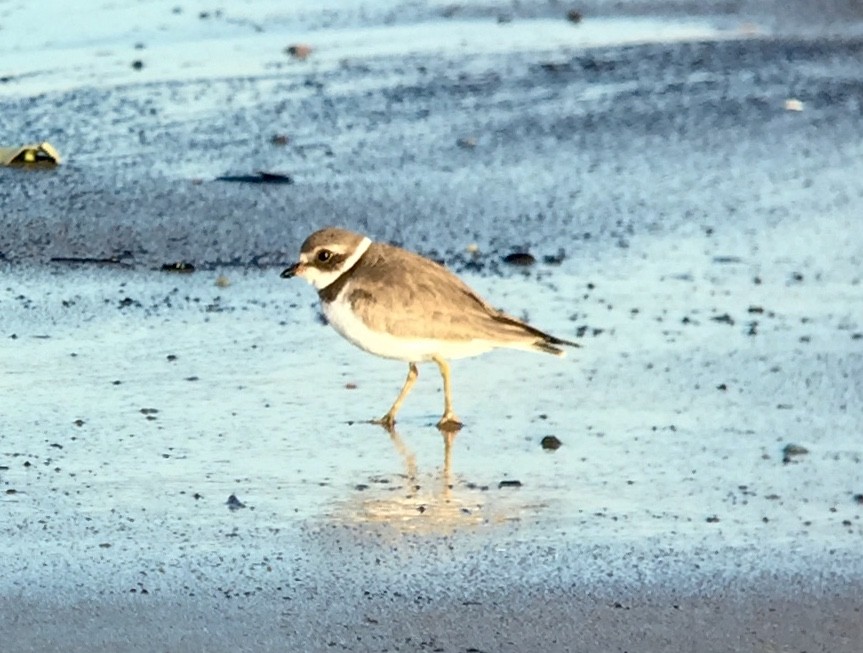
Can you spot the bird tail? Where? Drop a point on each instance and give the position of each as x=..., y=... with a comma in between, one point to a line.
x=548, y=345
x=543, y=342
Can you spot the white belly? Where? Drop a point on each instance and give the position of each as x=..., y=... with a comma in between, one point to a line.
x=344, y=320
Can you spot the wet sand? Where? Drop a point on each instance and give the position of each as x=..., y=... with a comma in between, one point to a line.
x=702, y=244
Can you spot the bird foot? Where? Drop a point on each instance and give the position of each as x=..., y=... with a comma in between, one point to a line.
x=449, y=423
x=388, y=421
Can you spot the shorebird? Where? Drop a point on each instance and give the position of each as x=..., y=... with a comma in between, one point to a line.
x=397, y=304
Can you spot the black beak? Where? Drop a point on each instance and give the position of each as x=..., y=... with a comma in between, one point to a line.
x=287, y=273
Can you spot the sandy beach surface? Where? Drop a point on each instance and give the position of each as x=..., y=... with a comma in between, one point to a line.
x=185, y=462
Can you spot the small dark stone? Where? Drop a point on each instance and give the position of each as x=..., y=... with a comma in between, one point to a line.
x=722, y=387
x=197, y=496
x=361, y=486
x=725, y=318
x=299, y=51
x=137, y=64
x=234, y=503
x=713, y=519
x=789, y=451
x=261, y=178
x=519, y=258
x=555, y=66
x=574, y=16
x=756, y=309
x=508, y=483
x=858, y=499
x=550, y=442
x=180, y=266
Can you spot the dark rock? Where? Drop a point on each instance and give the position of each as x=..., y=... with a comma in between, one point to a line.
x=519, y=258
x=180, y=267
x=261, y=178
x=790, y=451
x=556, y=67
x=234, y=503
x=509, y=483
x=299, y=51
x=725, y=318
x=550, y=443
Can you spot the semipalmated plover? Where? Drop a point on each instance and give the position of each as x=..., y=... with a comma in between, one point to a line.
x=398, y=304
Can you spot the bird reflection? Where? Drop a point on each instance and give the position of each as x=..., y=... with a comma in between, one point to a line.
x=417, y=502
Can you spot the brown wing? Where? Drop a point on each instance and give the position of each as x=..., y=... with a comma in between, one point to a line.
x=428, y=301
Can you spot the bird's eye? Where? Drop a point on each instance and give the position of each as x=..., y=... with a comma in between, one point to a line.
x=324, y=255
